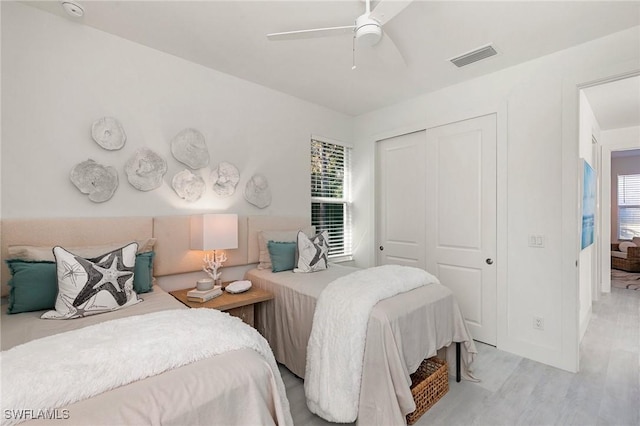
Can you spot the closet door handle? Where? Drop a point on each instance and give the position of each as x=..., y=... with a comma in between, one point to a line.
x=381, y=248
x=489, y=261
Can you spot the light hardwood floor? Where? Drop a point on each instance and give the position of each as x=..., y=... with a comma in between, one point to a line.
x=518, y=391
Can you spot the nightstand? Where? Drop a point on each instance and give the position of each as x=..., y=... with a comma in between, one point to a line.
x=239, y=305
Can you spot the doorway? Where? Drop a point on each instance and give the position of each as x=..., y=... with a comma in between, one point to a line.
x=615, y=108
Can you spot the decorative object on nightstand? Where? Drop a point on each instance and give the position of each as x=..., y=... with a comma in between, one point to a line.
x=238, y=286
x=205, y=284
x=211, y=232
x=202, y=296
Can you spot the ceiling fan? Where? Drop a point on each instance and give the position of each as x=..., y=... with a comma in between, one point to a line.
x=367, y=29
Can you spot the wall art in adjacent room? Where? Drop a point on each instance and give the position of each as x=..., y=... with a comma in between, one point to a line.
x=108, y=133
x=589, y=181
x=189, y=147
x=225, y=178
x=145, y=170
x=188, y=185
x=97, y=181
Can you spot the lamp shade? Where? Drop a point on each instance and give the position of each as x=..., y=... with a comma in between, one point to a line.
x=214, y=231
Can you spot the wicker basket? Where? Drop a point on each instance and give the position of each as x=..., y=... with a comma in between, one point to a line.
x=428, y=384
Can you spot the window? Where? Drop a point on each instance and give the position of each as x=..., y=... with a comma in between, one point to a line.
x=330, y=194
x=628, y=206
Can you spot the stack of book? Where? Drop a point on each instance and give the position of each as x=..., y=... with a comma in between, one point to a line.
x=202, y=296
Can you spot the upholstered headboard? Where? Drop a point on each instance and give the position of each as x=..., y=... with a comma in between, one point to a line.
x=70, y=232
x=270, y=223
x=173, y=254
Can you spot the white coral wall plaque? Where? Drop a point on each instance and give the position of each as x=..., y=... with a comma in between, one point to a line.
x=189, y=147
x=225, y=178
x=257, y=191
x=145, y=170
x=188, y=186
x=97, y=181
x=108, y=133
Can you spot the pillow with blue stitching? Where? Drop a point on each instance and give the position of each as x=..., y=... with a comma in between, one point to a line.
x=312, y=252
x=93, y=286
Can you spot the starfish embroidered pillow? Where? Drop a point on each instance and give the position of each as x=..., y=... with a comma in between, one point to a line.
x=93, y=286
x=312, y=252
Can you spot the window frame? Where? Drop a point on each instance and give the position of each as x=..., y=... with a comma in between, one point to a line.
x=624, y=206
x=347, y=249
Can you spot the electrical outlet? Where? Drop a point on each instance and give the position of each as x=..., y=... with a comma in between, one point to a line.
x=538, y=323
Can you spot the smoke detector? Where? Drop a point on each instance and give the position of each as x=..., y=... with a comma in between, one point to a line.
x=73, y=9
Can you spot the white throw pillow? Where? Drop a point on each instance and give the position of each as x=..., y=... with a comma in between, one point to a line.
x=624, y=246
x=92, y=286
x=311, y=254
x=278, y=236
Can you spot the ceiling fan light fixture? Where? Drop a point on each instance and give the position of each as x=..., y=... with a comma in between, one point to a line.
x=368, y=30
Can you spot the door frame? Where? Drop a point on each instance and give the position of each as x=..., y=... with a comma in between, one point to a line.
x=571, y=223
x=500, y=109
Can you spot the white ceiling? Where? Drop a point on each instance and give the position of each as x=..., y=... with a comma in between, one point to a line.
x=616, y=104
x=229, y=36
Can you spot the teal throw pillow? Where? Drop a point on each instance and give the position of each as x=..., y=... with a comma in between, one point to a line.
x=283, y=255
x=143, y=272
x=33, y=285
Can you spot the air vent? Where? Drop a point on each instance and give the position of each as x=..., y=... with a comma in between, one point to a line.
x=474, y=56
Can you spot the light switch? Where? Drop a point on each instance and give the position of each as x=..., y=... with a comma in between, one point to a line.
x=536, y=240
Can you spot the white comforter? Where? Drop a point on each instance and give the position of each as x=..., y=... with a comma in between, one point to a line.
x=58, y=370
x=336, y=346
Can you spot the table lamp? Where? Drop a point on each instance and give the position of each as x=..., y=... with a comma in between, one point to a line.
x=214, y=232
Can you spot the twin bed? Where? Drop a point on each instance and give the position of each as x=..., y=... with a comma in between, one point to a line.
x=235, y=387
x=241, y=387
x=402, y=331
x=196, y=393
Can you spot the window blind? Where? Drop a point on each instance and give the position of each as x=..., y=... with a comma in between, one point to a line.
x=628, y=206
x=330, y=194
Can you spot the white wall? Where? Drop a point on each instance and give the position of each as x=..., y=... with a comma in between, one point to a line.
x=59, y=76
x=537, y=184
x=589, y=128
x=620, y=166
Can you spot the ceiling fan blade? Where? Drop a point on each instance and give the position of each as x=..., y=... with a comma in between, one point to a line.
x=317, y=32
x=387, y=10
x=389, y=54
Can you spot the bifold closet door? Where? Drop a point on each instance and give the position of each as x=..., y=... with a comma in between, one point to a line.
x=461, y=218
x=436, y=210
x=400, y=200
